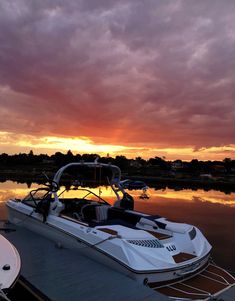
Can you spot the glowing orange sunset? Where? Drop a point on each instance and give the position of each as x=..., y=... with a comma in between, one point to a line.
x=129, y=78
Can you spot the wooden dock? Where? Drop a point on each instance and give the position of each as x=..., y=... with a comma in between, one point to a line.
x=60, y=274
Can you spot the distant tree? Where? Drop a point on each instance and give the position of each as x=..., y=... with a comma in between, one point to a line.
x=77, y=158
x=58, y=158
x=227, y=164
x=194, y=166
x=69, y=153
x=31, y=154
x=69, y=157
x=122, y=162
x=141, y=161
x=22, y=158
x=89, y=157
x=30, y=158
x=157, y=161
x=107, y=160
x=4, y=159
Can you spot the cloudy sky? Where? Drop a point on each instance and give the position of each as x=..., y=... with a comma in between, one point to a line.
x=148, y=78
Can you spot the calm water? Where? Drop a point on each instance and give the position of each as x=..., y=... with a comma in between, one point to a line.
x=211, y=211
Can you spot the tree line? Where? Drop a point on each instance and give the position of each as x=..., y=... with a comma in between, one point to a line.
x=59, y=159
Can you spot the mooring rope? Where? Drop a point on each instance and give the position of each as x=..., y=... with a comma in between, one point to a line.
x=99, y=242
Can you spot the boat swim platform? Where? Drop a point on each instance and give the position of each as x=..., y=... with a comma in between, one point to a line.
x=209, y=284
x=60, y=274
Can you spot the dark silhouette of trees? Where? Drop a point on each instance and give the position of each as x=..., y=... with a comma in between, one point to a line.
x=43, y=161
x=160, y=162
x=227, y=164
x=141, y=161
x=122, y=162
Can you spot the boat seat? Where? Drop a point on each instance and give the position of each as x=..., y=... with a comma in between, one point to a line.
x=102, y=212
x=88, y=212
x=121, y=214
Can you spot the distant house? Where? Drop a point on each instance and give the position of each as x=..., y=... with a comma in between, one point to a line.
x=177, y=165
x=136, y=164
x=218, y=168
x=47, y=161
x=206, y=176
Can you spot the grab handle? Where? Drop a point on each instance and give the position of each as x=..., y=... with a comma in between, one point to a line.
x=189, y=270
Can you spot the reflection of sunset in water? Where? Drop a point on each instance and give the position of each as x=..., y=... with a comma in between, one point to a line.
x=104, y=192
x=211, y=211
x=12, y=189
x=189, y=195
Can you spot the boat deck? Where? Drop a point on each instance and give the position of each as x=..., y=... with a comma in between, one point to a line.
x=61, y=274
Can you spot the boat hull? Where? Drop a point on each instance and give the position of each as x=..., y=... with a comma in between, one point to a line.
x=10, y=264
x=65, y=239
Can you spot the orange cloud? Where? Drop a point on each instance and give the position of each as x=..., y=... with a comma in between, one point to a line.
x=14, y=143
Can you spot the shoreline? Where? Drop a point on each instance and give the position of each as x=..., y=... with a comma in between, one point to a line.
x=160, y=182
x=185, y=183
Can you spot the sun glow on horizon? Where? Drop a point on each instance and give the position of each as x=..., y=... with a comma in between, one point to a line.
x=53, y=144
x=15, y=143
x=78, y=145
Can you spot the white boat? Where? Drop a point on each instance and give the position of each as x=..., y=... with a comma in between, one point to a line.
x=151, y=249
x=133, y=185
x=10, y=265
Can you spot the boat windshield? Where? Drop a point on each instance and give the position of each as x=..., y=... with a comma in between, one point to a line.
x=35, y=196
x=81, y=193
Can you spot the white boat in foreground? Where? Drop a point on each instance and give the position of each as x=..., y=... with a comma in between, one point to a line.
x=151, y=249
x=9, y=265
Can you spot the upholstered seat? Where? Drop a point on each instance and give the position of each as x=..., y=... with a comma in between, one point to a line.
x=102, y=212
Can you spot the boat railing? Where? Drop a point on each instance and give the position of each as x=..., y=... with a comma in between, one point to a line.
x=116, y=172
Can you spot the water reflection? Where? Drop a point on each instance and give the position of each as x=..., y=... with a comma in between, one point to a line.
x=211, y=211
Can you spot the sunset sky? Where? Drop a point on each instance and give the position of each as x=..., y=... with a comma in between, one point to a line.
x=132, y=77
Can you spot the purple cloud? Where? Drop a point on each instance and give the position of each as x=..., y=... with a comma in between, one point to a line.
x=126, y=72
